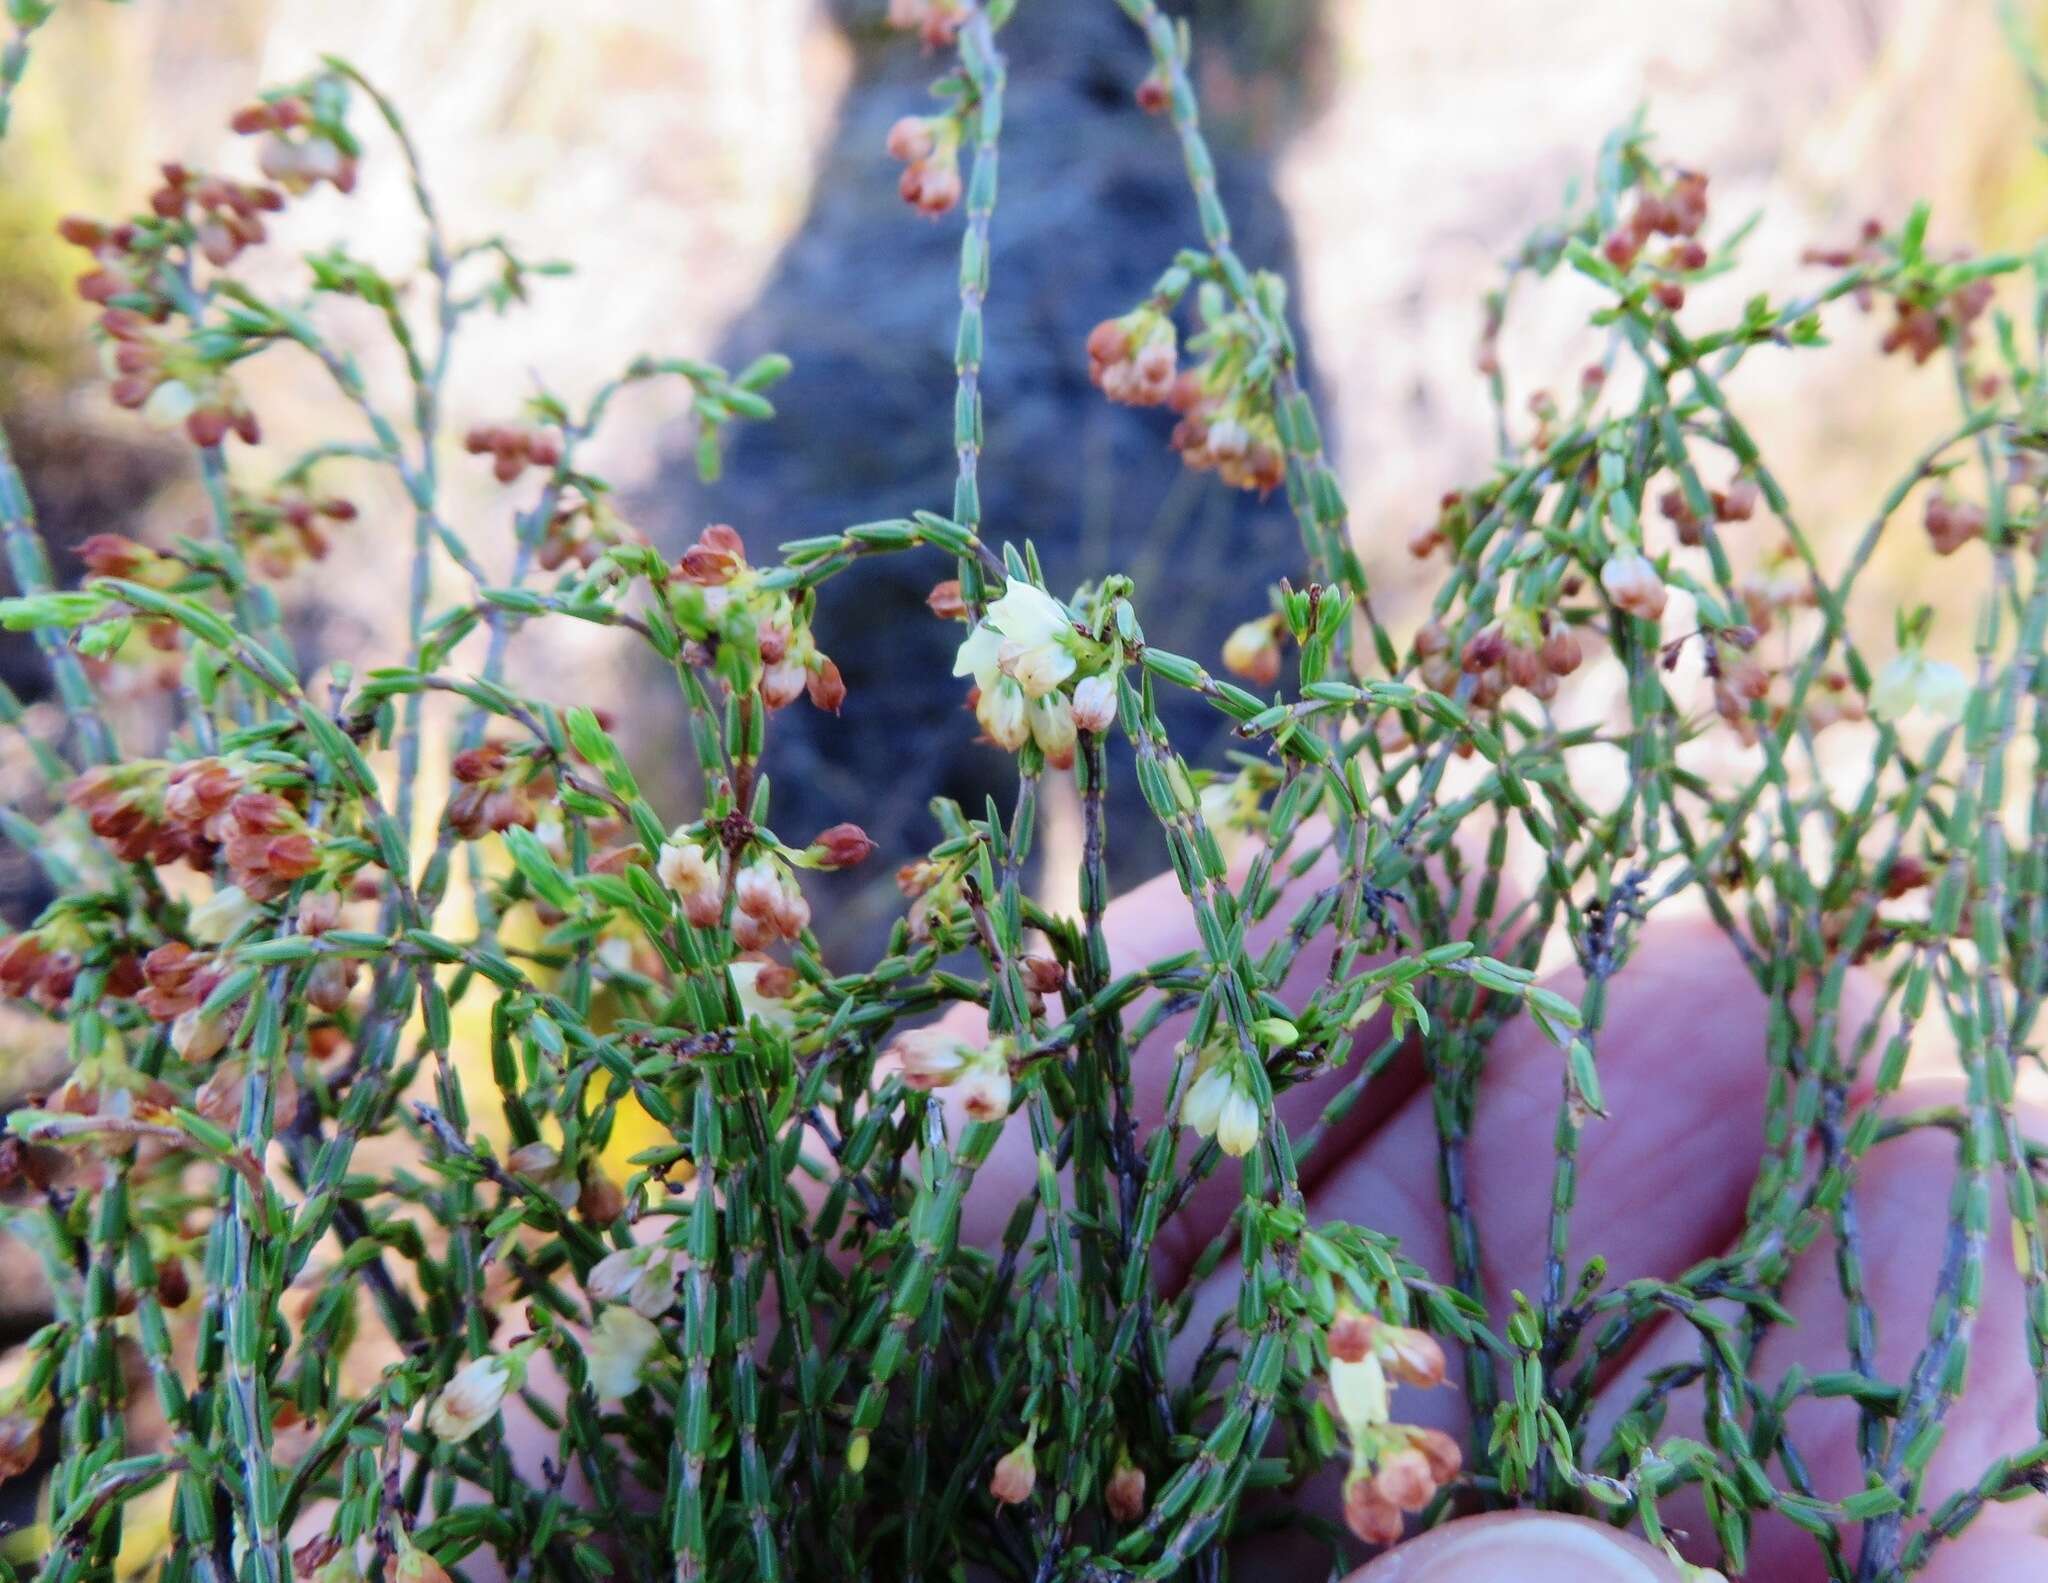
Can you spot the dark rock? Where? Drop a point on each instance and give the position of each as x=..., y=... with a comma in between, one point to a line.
x=1093, y=204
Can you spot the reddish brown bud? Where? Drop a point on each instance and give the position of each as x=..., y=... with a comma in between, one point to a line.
x=1042, y=975
x=827, y=689
x=944, y=600
x=601, y=1200
x=842, y=846
x=1124, y=1495
x=1351, y=1335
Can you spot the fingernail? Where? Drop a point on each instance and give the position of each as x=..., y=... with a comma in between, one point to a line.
x=1526, y=1547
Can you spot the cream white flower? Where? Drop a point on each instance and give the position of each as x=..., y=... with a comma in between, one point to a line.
x=1002, y=711
x=1217, y=1106
x=685, y=869
x=1237, y=1125
x=1052, y=728
x=644, y=1278
x=217, y=918
x=985, y=1090
x=1913, y=681
x=619, y=1349
x=471, y=1399
x=170, y=404
x=1361, y=1394
x=1632, y=582
x=1026, y=636
x=198, y=1038
x=931, y=1057
x=1202, y=1106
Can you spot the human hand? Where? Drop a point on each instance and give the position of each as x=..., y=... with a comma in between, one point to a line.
x=1661, y=1185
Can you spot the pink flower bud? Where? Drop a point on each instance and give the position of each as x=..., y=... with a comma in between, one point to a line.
x=1633, y=584
x=1404, y=1481
x=842, y=846
x=1014, y=1475
x=1367, y=1513
x=910, y=139
x=1095, y=702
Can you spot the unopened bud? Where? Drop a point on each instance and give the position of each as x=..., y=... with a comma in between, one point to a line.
x=1125, y=1492
x=1253, y=652
x=842, y=846
x=1014, y=1476
x=1095, y=702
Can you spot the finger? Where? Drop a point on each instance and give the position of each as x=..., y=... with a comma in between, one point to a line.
x=1988, y=1556
x=1900, y=1199
x=1149, y=924
x=1685, y=1085
x=1521, y=1547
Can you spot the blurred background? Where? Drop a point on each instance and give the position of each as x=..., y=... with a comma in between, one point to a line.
x=715, y=173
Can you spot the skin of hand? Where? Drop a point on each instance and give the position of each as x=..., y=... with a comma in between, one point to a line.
x=1662, y=1183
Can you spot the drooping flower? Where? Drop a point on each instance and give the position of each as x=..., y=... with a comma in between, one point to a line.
x=1026, y=636
x=1052, y=727
x=643, y=1278
x=1095, y=702
x=1217, y=1105
x=763, y=989
x=619, y=1349
x=471, y=1399
x=931, y=1057
x=1632, y=582
x=221, y=915
x=985, y=1091
x=1124, y=1494
x=1016, y=1472
x=687, y=870
x=1253, y=651
x=1913, y=681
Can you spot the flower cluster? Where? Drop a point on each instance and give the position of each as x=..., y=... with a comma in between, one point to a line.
x=512, y=448
x=171, y=381
x=1951, y=523
x=1037, y=676
x=1395, y=1468
x=498, y=787
x=929, y=148
x=1219, y=1105
x=757, y=637
x=977, y=1073
x=284, y=528
x=201, y=811
x=1736, y=503
x=583, y=527
x=1673, y=206
x=1135, y=359
x=305, y=141
x=934, y=21
x=1526, y=648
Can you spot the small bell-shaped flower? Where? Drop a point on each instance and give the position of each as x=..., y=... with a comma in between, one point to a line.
x=1913, y=681
x=619, y=1349
x=1026, y=636
x=472, y=1398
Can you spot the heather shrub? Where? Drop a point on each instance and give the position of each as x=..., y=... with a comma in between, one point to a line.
x=477, y=1170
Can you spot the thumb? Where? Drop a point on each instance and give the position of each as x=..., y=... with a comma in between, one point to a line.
x=1524, y=1547
x=1985, y=1556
